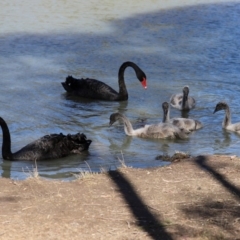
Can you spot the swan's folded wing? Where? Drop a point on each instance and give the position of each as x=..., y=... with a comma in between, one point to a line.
x=95, y=89
x=186, y=123
x=54, y=146
x=162, y=130
x=176, y=98
x=234, y=127
x=168, y=130
x=47, y=147
x=191, y=102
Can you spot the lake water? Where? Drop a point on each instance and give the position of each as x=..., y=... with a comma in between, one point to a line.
x=42, y=42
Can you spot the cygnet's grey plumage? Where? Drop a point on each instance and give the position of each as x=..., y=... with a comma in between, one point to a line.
x=227, y=121
x=183, y=101
x=185, y=123
x=160, y=130
x=95, y=89
x=48, y=147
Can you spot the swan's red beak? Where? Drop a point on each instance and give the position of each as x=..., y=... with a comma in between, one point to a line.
x=144, y=83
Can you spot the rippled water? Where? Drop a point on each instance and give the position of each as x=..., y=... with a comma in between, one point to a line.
x=192, y=45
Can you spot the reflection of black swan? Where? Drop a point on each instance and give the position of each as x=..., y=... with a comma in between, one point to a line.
x=95, y=89
x=48, y=147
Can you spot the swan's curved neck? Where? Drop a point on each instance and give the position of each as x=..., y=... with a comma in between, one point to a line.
x=227, y=119
x=166, y=115
x=6, y=142
x=184, y=101
x=127, y=126
x=121, y=82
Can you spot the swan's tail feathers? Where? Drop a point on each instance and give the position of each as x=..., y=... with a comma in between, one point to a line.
x=198, y=124
x=70, y=79
x=78, y=142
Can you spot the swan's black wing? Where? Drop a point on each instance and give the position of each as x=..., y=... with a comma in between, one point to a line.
x=90, y=88
x=53, y=146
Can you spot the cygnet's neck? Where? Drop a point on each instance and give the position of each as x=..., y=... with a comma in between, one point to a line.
x=227, y=119
x=166, y=112
x=127, y=125
x=185, y=101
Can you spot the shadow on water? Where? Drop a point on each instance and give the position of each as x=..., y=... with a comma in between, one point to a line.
x=198, y=43
x=178, y=29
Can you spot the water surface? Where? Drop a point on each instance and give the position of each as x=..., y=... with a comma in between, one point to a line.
x=42, y=43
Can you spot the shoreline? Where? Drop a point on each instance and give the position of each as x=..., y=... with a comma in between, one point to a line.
x=192, y=198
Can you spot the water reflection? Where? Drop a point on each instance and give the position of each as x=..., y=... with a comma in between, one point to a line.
x=119, y=145
x=195, y=45
x=225, y=140
x=6, y=169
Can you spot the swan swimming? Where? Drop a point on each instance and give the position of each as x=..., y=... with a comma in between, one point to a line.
x=185, y=123
x=48, y=147
x=95, y=89
x=183, y=101
x=160, y=130
x=227, y=124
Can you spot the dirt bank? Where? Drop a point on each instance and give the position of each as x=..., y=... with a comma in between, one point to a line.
x=194, y=198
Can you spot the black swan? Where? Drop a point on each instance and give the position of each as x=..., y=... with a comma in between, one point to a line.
x=185, y=123
x=182, y=101
x=227, y=121
x=160, y=130
x=95, y=89
x=48, y=147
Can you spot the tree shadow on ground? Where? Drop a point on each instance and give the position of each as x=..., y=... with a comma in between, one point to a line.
x=201, y=161
x=219, y=213
x=145, y=219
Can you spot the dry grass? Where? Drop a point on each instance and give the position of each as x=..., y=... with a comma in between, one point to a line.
x=182, y=201
x=82, y=173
